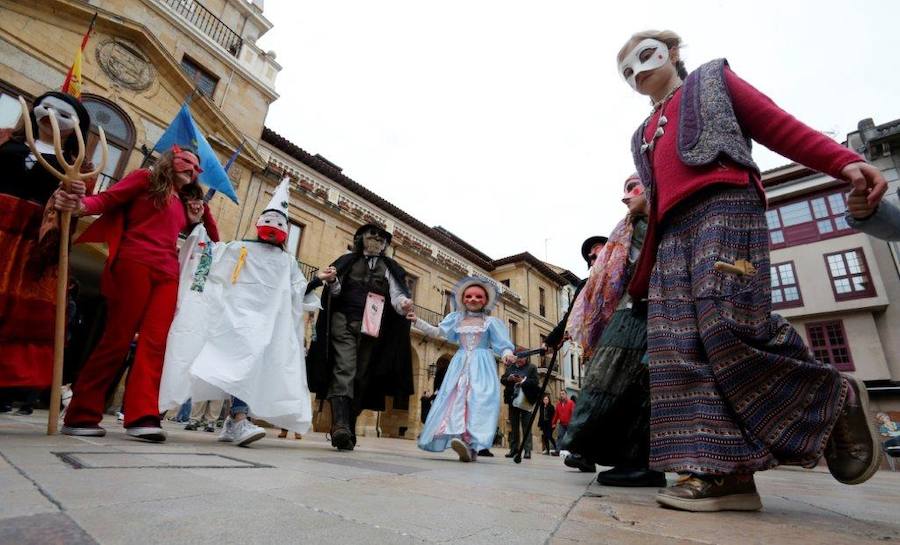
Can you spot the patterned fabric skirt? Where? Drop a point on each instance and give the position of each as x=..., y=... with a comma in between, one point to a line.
x=610, y=424
x=733, y=387
x=27, y=298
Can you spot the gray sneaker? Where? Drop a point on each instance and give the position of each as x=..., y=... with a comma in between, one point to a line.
x=83, y=431
x=853, y=451
x=462, y=450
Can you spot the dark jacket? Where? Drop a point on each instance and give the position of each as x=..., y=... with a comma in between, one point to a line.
x=531, y=385
x=390, y=368
x=545, y=415
x=555, y=338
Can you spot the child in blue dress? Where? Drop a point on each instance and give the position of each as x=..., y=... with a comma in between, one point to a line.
x=464, y=415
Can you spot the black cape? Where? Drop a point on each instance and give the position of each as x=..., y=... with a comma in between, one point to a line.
x=390, y=369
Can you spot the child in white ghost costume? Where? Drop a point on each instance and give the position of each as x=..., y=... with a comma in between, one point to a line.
x=239, y=328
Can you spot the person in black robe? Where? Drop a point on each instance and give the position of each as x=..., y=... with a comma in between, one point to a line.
x=356, y=358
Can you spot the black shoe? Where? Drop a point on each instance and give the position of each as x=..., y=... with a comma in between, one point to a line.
x=341, y=435
x=624, y=476
x=580, y=463
x=527, y=455
x=486, y=452
x=24, y=411
x=509, y=454
x=6, y=408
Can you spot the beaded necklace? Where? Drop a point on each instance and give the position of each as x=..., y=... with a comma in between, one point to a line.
x=660, y=122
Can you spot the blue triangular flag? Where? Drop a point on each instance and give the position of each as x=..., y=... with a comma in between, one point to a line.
x=184, y=131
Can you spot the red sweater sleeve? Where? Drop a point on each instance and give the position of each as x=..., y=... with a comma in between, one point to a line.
x=124, y=191
x=212, y=228
x=782, y=133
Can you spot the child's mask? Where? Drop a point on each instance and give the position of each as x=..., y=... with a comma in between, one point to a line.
x=654, y=54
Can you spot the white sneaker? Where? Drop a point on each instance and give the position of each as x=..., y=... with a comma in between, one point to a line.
x=246, y=432
x=153, y=434
x=462, y=450
x=227, y=435
x=120, y=416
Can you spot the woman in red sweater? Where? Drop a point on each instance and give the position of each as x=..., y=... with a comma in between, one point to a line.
x=734, y=390
x=141, y=217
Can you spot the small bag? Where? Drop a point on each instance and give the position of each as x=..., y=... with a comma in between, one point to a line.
x=520, y=400
x=371, y=322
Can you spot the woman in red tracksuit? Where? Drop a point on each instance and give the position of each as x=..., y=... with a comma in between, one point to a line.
x=141, y=218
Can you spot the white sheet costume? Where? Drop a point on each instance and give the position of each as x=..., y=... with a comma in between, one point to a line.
x=239, y=328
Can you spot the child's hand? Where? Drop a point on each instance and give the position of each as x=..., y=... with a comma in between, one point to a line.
x=66, y=202
x=407, y=306
x=194, y=210
x=866, y=180
x=411, y=316
x=509, y=359
x=858, y=204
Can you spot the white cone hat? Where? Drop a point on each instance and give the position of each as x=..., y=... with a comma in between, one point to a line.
x=281, y=199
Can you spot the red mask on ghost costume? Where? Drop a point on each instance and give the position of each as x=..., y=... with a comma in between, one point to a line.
x=185, y=161
x=271, y=234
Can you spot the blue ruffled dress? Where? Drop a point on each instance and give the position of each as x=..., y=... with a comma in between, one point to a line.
x=467, y=405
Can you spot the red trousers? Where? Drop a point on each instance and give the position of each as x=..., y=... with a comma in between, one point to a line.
x=142, y=301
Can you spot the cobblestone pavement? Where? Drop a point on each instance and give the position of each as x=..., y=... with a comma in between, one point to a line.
x=194, y=490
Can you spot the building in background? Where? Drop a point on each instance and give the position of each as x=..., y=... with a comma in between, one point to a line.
x=839, y=288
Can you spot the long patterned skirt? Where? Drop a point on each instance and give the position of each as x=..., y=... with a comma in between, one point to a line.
x=610, y=424
x=733, y=387
x=27, y=298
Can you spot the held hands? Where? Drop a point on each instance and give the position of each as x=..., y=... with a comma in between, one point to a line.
x=327, y=275
x=868, y=183
x=858, y=204
x=510, y=359
x=194, y=208
x=407, y=306
x=411, y=316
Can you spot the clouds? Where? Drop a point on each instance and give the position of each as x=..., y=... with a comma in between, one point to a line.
x=507, y=123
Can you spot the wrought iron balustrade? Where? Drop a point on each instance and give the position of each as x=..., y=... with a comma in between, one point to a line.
x=308, y=270
x=430, y=316
x=207, y=23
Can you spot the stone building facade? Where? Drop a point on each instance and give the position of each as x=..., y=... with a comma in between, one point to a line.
x=839, y=288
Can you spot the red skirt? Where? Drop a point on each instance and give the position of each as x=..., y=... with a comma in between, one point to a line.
x=27, y=298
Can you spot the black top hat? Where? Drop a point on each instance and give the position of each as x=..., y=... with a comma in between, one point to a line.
x=590, y=243
x=359, y=232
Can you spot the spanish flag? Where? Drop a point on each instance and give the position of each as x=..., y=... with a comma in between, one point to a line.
x=73, y=82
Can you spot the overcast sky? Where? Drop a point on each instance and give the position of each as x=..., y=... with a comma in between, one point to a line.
x=506, y=121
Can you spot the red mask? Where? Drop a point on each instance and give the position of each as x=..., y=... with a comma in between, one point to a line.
x=271, y=234
x=185, y=161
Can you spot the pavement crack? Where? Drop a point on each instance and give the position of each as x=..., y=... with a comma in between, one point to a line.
x=34, y=483
x=568, y=511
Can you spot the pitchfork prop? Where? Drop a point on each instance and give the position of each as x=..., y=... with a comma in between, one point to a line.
x=70, y=173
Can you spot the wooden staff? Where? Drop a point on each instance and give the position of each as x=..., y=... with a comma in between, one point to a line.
x=70, y=173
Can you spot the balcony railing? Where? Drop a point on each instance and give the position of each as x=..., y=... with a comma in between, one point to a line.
x=209, y=24
x=430, y=316
x=103, y=183
x=307, y=270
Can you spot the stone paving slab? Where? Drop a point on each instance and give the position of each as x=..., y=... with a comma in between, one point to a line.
x=387, y=491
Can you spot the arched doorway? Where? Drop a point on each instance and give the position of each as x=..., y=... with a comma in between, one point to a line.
x=120, y=137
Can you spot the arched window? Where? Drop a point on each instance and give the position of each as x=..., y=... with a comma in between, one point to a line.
x=119, y=131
